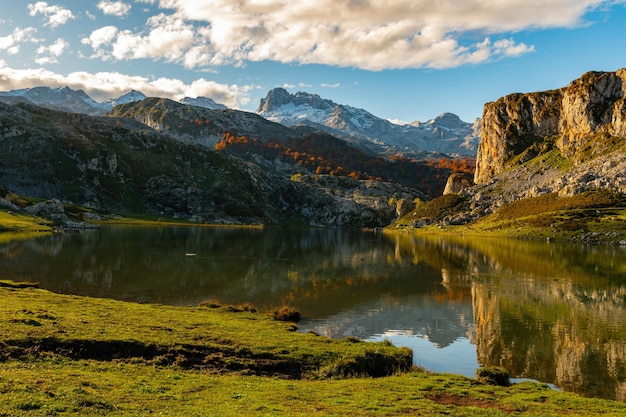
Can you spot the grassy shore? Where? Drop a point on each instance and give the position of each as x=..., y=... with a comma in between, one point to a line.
x=597, y=217
x=68, y=355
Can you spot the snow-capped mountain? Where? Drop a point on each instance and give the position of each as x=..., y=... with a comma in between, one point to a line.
x=129, y=97
x=446, y=133
x=63, y=98
x=206, y=102
x=77, y=101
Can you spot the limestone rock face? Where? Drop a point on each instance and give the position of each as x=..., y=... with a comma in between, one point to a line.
x=588, y=109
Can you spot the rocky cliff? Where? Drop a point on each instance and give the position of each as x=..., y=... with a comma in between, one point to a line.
x=563, y=143
x=579, y=120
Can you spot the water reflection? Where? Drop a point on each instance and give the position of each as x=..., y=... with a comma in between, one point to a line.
x=555, y=313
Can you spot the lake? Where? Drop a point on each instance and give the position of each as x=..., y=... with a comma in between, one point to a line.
x=551, y=312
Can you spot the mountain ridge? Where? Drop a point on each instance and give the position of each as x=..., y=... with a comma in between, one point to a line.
x=445, y=134
x=77, y=101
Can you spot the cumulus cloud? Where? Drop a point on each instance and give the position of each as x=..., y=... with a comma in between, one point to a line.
x=114, y=8
x=55, y=15
x=11, y=43
x=101, y=36
x=50, y=54
x=368, y=34
x=105, y=85
x=166, y=37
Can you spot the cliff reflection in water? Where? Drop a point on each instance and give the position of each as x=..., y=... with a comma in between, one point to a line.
x=555, y=313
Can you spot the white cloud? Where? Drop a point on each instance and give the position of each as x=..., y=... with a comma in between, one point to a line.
x=166, y=37
x=101, y=36
x=104, y=85
x=335, y=85
x=115, y=8
x=11, y=43
x=50, y=54
x=369, y=34
x=56, y=15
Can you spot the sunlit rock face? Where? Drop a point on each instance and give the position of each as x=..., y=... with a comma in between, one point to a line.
x=591, y=108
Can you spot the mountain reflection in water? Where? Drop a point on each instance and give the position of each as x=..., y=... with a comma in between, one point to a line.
x=551, y=312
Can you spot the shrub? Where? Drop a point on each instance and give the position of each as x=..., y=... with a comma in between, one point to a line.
x=493, y=375
x=287, y=314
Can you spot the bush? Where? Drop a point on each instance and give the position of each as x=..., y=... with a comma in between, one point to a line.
x=287, y=314
x=493, y=375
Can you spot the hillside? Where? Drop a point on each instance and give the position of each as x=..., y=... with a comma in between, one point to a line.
x=120, y=165
x=554, y=159
x=288, y=150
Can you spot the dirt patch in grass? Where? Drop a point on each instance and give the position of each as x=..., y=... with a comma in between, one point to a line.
x=462, y=401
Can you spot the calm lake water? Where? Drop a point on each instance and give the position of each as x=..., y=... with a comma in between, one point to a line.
x=545, y=311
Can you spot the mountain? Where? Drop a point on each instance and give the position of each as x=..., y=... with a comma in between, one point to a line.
x=575, y=120
x=445, y=134
x=122, y=165
x=59, y=98
x=300, y=150
x=546, y=152
x=129, y=97
x=77, y=101
x=199, y=124
x=205, y=102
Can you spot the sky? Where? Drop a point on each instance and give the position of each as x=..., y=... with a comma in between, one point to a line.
x=402, y=60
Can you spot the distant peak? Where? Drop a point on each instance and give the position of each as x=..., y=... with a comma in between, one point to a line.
x=205, y=102
x=279, y=97
x=274, y=99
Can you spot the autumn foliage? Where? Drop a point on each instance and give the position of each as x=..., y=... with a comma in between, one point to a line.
x=324, y=154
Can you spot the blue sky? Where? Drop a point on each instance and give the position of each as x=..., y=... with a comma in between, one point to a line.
x=402, y=60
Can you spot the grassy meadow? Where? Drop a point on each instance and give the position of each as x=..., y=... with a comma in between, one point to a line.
x=68, y=355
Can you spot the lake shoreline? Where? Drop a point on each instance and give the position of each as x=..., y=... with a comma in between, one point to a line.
x=131, y=385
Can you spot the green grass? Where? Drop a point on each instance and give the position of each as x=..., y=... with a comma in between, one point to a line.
x=66, y=355
x=14, y=226
x=600, y=212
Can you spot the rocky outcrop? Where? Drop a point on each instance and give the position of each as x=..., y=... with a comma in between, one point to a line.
x=457, y=182
x=590, y=109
